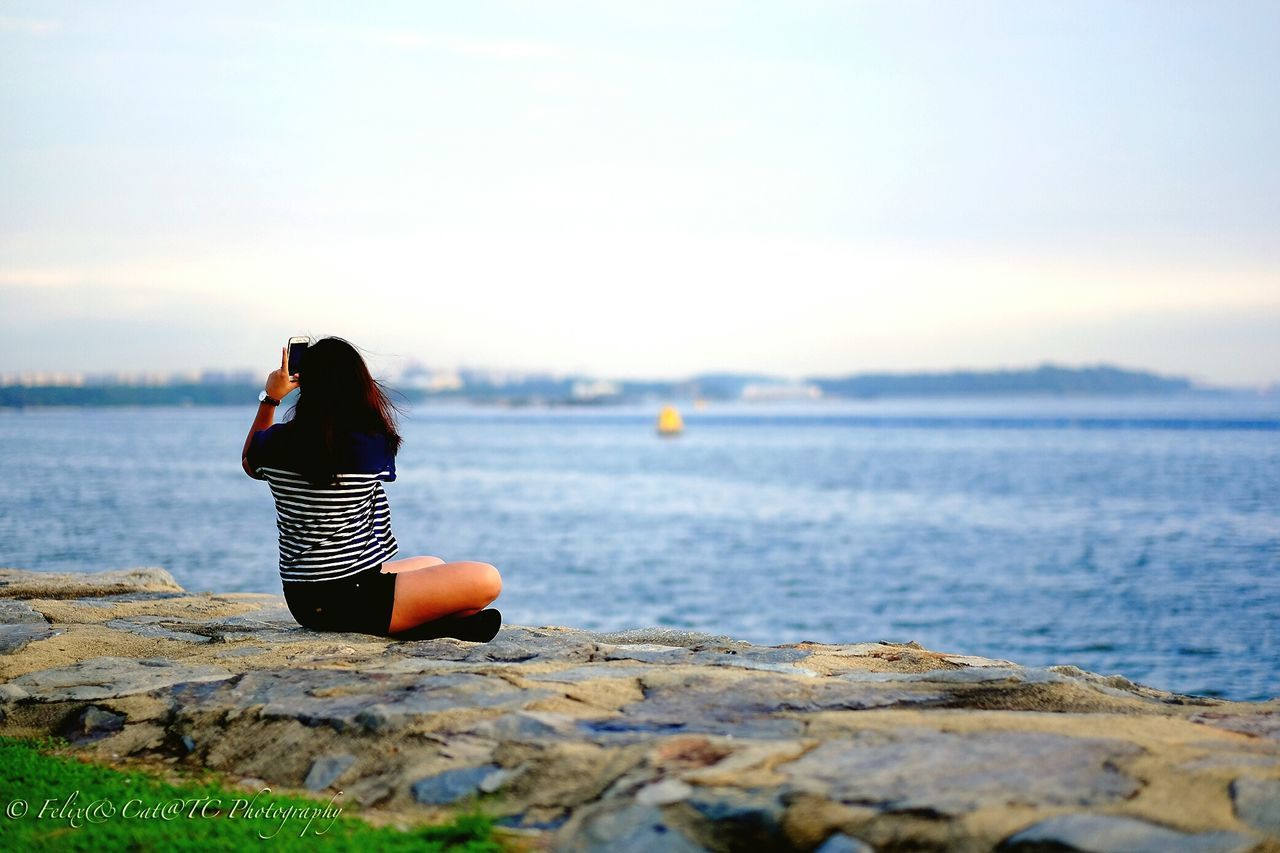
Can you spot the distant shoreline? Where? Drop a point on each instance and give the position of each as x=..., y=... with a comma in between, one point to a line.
x=1185, y=412
x=546, y=391
x=28, y=397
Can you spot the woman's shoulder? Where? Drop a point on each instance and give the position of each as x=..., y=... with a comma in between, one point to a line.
x=372, y=439
x=372, y=453
x=268, y=443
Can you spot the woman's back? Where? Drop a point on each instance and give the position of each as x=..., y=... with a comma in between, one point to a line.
x=328, y=530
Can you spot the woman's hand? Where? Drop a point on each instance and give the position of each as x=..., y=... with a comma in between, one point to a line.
x=279, y=382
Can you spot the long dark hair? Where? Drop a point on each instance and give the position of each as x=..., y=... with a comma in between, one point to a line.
x=336, y=397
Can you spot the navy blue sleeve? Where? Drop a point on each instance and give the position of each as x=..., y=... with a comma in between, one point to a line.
x=262, y=447
x=387, y=470
x=374, y=456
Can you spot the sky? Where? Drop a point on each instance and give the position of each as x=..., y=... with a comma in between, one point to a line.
x=643, y=189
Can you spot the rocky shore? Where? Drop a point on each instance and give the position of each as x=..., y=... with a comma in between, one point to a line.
x=643, y=740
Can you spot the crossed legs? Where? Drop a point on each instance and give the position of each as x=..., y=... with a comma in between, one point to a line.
x=428, y=588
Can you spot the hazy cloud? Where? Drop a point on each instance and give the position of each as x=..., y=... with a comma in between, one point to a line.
x=30, y=26
x=651, y=189
x=485, y=48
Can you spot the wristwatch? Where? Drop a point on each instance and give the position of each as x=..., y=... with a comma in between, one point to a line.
x=263, y=398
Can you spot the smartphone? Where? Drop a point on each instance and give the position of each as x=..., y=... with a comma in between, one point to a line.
x=297, y=347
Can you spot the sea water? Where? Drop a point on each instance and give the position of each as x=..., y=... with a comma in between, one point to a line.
x=1130, y=536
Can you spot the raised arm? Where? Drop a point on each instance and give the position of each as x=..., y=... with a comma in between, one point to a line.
x=279, y=384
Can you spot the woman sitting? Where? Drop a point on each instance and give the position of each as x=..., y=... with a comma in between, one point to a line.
x=326, y=465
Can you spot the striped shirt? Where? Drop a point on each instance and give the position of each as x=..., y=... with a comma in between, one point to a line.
x=331, y=531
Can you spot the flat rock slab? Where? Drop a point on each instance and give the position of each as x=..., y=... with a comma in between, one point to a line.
x=450, y=786
x=17, y=583
x=685, y=700
x=648, y=739
x=334, y=698
x=1097, y=833
x=956, y=772
x=20, y=624
x=326, y=770
x=112, y=677
x=1257, y=802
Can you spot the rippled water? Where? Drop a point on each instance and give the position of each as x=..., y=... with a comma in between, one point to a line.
x=1138, y=537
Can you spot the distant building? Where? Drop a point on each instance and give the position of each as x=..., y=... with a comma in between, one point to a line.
x=594, y=389
x=775, y=391
x=43, y=378
x=227, y=377
x=135, y=377
x=504, y=378
x=429, y=379
x=444, y=380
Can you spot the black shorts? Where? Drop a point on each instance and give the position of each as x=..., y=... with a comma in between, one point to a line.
x=360, y=603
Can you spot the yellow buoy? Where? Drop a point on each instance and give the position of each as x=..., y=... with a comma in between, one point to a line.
x=669, y=422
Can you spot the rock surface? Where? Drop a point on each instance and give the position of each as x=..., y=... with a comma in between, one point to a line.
x=652, y=739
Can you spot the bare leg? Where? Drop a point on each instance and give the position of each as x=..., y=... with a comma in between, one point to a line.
x=409, y=564
x=442, y=589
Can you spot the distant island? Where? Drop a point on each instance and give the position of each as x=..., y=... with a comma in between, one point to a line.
x=512, y=388
x=1046, y=379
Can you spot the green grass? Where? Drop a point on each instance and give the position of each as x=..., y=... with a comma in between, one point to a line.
x=32, y=772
